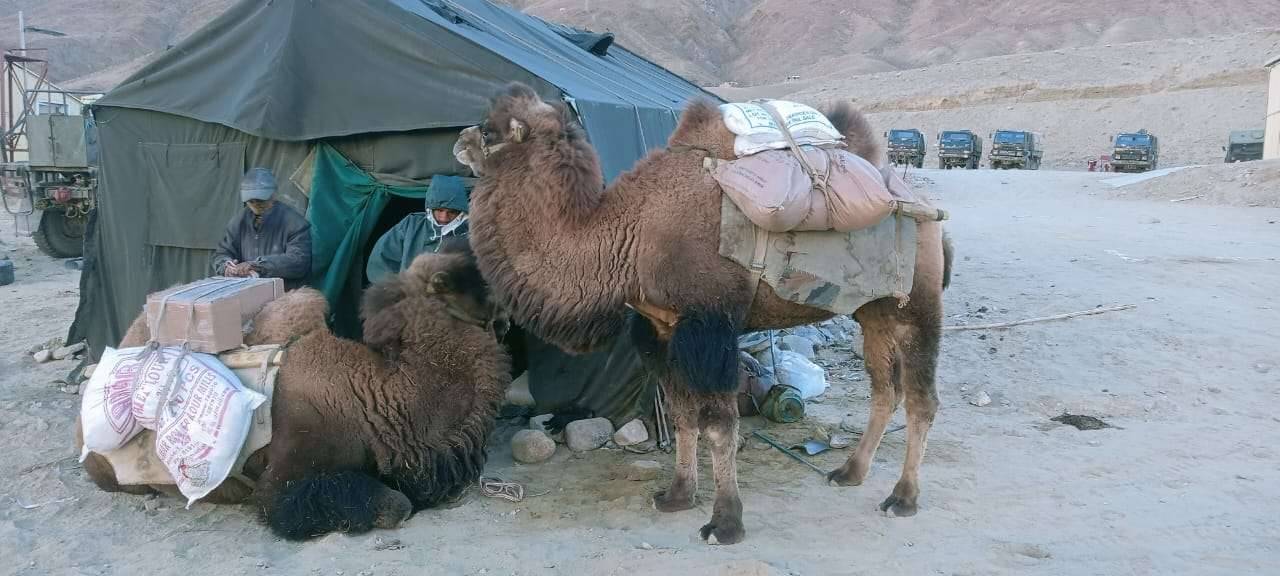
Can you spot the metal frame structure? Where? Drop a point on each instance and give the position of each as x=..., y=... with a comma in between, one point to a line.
x=20, y=99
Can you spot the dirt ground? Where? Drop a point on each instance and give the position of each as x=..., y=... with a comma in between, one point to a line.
x=1187, y=481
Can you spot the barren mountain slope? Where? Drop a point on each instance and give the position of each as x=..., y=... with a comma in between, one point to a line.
x=103, y=33
x=711, y=41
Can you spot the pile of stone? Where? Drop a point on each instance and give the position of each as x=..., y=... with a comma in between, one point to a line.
x=537, y=444
x=55, y=351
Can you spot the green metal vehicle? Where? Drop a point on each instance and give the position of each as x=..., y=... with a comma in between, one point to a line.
x=959, y=149
x=906, y=147
x=57, y=184
x=1015, y=149
x=1244, y=145
x=1135, y=152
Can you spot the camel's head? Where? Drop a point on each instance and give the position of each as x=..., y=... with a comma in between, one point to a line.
x=445, y=282
x=516, y=116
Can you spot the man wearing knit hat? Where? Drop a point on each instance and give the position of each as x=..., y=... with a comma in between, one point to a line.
x=420, y=232
x=266, y=239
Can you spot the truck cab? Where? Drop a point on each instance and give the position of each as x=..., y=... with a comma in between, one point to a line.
x=1244, y=145
x=959, y=148
x=906, y=147
x=1015, y=149
x=1135, y=152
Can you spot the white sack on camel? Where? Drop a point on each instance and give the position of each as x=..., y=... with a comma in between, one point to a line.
x=198, y=408
x=757, y=131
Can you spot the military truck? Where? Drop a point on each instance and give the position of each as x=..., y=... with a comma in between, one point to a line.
x=1244, y=145
x=906, y=147
x=1015, y=149
x=959, y=149
x=58, y=183
x=1135, y=152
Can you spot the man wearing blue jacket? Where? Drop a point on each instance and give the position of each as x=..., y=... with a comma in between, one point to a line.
x=419, y=232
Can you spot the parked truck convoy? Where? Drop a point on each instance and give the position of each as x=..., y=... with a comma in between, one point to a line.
x=906, y=147
x=1135, y=152
x=959, y=149
x=1244, y=145
x=57, y=184
x=1015, y=149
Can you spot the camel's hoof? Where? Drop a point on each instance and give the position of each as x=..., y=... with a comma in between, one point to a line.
x=898, y=507
x=664, y=502
x=393, y=508
x=723, y=532
x=840, y=477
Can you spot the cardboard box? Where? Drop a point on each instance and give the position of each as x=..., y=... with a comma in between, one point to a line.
x=209, y=315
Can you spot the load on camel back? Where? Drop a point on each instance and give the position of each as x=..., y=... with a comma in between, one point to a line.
x=746, y=221
x=339, y=435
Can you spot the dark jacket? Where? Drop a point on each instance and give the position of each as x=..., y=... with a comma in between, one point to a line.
x=396, y=249
x=280, y=248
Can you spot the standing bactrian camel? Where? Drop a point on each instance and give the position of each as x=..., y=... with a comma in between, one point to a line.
x=567, y=256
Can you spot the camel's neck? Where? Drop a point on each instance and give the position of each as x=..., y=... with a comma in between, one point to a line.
x=555, y=246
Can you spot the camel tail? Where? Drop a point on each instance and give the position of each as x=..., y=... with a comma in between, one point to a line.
x=948, y=257
x=704, y=351
x=858, y=133
x=335, y=502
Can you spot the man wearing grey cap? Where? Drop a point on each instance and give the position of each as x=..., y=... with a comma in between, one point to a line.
x=266, y=239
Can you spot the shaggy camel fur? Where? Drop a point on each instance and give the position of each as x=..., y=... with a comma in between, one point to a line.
x=365, y=434
x=565, y=256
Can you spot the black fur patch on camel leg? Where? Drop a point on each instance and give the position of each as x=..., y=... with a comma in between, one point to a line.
x=335, y=502
x=704, y=352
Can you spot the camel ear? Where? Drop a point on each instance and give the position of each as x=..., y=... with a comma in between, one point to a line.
x=440, y=283
x=518, y=130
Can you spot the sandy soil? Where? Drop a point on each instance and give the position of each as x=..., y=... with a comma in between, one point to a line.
x=1240, y=184
x=1187, y=481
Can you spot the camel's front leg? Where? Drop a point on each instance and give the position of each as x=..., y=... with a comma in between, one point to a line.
x=719, y=413
x=685, y=483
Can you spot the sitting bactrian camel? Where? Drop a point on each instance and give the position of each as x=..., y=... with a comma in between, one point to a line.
x=566, y=257
x=365, y=434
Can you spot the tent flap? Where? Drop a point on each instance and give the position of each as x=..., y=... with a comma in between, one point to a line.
x=345, y=205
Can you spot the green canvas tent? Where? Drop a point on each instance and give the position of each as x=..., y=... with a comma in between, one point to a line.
x=354, y=105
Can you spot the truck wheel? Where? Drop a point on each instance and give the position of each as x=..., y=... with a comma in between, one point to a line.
x=60, y=236
x=920, y=163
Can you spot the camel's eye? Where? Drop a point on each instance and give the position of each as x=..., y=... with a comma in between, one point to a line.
x=485, y=134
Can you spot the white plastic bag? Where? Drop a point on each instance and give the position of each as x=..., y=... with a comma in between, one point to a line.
x=798, y=372
x=106, y=416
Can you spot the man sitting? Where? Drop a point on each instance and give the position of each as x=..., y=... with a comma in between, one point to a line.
x=266, y=239
x=420, y=232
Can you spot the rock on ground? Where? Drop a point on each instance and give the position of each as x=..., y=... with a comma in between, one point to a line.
x=643, y=470
x=68, y=351
x=631, y=433
x=800, y=345
x=809, y=332
x=589, y=434
x=532, y=446
x=539, y=423
x=518, y=393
